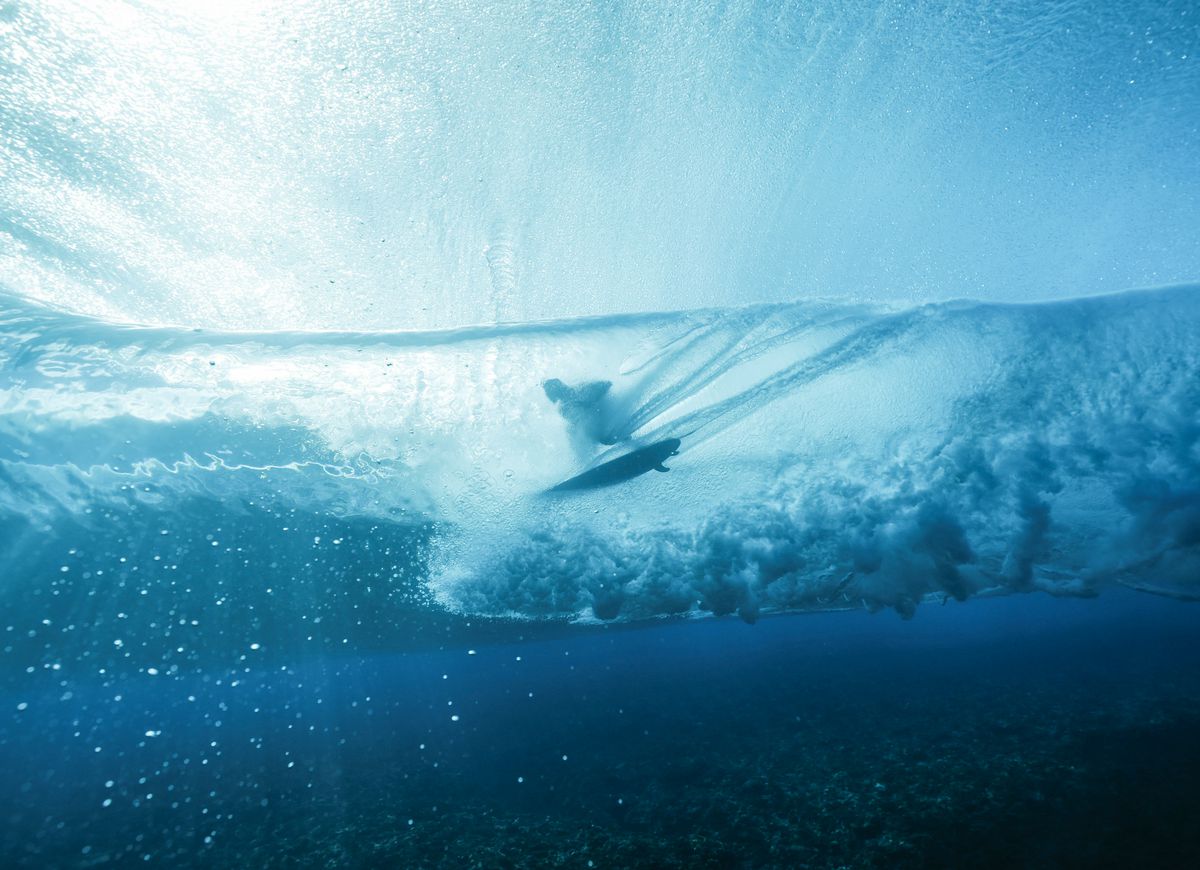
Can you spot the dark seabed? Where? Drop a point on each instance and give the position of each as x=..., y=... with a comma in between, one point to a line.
x=1023, y=731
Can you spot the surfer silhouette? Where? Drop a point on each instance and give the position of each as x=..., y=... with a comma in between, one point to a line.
x=587, y=409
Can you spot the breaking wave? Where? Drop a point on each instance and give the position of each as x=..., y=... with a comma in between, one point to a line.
x=833, y=456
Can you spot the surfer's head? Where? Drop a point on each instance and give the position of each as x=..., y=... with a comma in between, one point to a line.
x=556, y=390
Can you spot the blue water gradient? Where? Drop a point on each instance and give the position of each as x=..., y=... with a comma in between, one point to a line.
x=307, y=307
x=823, y=739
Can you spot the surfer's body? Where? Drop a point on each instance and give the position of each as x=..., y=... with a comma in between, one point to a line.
x=623, y=468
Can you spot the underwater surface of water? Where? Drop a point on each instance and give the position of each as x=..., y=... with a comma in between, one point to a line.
x=866, y=337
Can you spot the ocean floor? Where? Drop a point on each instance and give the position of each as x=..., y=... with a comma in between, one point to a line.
x=1024, y=731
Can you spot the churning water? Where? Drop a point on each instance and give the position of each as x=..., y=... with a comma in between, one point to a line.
x=306, y=308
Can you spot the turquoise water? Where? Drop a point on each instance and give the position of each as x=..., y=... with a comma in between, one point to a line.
x=305, y=309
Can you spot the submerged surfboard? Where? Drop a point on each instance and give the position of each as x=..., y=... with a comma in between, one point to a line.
x=623, y=468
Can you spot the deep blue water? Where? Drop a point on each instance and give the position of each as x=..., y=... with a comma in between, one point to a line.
x=1019, y=731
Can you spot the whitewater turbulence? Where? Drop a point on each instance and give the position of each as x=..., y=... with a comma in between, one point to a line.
x=832, y=456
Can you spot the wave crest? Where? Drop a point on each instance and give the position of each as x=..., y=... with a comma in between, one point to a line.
x=833, y=456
